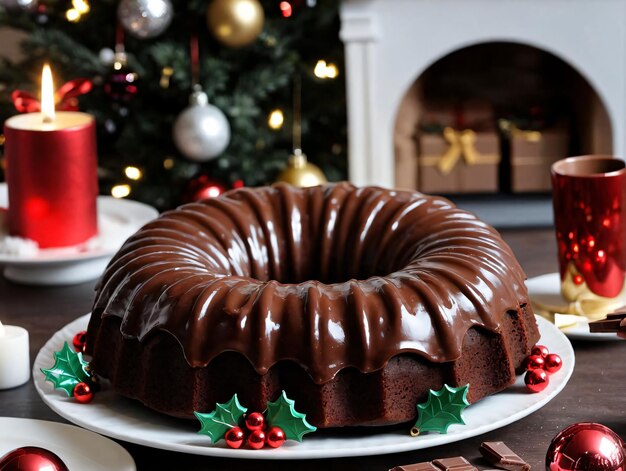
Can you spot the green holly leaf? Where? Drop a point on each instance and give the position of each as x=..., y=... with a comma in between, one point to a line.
x=222, y=419
x=69, y=369
x=283, y=414
x=442, y=409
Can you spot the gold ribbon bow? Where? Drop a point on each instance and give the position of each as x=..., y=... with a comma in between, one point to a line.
x=510, y=128
x=461, y=145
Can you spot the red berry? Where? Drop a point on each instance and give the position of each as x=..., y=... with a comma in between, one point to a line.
x=256, y=439
x=275, y=437
x=83, y=393
x=540, y=350
x=234, y=437
x=533, y=362
x=255, y=421
x=536, y=380
x=79, y=341
x=553, y=363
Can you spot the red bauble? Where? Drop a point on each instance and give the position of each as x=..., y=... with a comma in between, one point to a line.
x=79, y=341
x=540, y=350
x=31, y=458
x=533, y=362
x=586, y=447
x=552, y=363
x=255, y=421
x=256, y=439
x=275, y=437
x=121, y=85
x=203, y=187
x=234, y=437
x=536, y=380
x=83, y=393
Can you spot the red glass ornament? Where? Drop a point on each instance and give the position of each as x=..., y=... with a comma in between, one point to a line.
x=540, y=350
x=203, y=187
x=79, y=341
x=275, y=437
x=255, y=421
x=256, y=439
x=83, y=393
x=589, y=196
x=552, y=363
x=536, y=380
x=286, y=9
x=532, y=362
x=121, y=85
x=31, y=458
x=234, y=437
x=586, y=447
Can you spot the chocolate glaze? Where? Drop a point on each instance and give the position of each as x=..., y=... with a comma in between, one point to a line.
x=330, y=277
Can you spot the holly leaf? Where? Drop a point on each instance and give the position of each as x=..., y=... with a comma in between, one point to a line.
x=442, y=409
x=283, y=414
x=223, y=418
x=69, y=369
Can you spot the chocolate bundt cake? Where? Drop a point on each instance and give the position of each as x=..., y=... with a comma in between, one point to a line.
x=355, y=301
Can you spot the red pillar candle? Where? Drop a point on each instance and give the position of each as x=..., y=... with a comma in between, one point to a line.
x=51, y=172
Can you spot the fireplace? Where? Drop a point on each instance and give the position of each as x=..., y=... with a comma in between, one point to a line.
x=398, y=53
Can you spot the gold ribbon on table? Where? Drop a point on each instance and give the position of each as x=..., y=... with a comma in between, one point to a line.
x=512, y=130
x=461, y=145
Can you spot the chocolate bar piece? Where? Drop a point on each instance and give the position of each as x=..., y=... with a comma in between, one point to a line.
x=446, y=464
x=614, y=322
x=454, y=464
x=501, y=456
x=425, y=466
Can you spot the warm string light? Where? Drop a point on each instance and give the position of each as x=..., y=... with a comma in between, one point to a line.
x=325, y=70
x=286, y=9
x=168, y=164
x=79, y=8
x=276, y=119
x=133, y=173
x=120, y=191
x=47, y=95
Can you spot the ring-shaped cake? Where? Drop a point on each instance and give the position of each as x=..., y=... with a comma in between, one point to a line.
x=355, y=301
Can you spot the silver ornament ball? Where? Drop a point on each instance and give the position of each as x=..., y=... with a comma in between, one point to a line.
x=145, y=18
x=106, y=56
x=24, y=5
x=201, y=132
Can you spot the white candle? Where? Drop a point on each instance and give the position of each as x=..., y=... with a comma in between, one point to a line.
x=14, y=356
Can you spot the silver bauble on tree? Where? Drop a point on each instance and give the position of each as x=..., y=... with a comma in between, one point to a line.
x=145, y=18
x=201, y=132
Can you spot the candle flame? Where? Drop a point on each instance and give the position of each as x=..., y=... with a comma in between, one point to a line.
x=47, y=95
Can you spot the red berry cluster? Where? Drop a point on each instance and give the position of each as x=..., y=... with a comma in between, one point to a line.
x=83, y=392
x=79, y=341
x=256, y=434
x=538, y=365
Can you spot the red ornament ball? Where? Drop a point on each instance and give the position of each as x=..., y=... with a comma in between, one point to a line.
x=534, y=362
x=255, y=421
x=586, y=447
x=256, y=439
x=234, y=437
x=203, y=187
x=83, y=393
x=552, y=363
x=275, y=437
x=536, y=380
x=79, y=341
x=31, y=458
x=540, y=350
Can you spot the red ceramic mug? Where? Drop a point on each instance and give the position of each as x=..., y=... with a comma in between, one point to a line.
x=589, y=198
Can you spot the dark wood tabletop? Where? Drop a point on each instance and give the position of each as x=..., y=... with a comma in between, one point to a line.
x=596, y=391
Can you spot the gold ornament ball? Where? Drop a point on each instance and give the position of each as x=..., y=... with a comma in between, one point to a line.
x=235, y=23
x=301, y=173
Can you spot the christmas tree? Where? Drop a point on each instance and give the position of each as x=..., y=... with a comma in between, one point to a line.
x=139, y=92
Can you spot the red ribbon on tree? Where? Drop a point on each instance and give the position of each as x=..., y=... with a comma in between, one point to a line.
x=66, y=97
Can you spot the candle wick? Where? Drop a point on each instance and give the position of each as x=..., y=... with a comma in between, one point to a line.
x=47, y=119
x=2, y=333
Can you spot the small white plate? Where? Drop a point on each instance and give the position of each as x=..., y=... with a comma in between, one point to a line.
x=77, y=448
x=118, y=219
x=120, y=418
x=546, y=289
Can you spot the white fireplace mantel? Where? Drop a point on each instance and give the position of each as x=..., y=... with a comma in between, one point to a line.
x=390, y=43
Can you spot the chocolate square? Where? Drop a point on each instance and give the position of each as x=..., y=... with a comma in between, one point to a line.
x=425, y=466
x=501, y=456
x=457, y=463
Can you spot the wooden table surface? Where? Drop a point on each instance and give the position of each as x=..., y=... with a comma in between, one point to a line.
x=595, y=392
